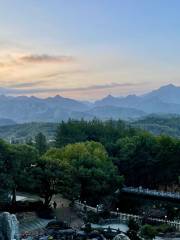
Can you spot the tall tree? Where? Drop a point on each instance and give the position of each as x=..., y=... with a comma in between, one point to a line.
x=41, y=143
x=5, y=181
x=20, y=161
x=51, y=176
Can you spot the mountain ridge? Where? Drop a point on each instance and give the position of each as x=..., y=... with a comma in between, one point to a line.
x=22, y=109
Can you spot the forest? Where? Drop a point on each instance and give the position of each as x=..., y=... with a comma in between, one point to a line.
x=89, y=157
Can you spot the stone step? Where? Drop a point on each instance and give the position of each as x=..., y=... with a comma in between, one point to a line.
x=34, y=225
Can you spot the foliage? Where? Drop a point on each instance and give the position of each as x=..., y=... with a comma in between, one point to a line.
x=164, y=228
x=153, y=159
x=15, y=162
x=133, y=225
x=93, y=172
x=148, y=231
x=133, y=229
x=23, y=132
x=41, y=143
x=51, y=176
x=92, y=217
x=107, y=132
x=160, y=124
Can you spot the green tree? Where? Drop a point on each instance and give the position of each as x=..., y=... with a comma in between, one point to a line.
x=19, y=162
x=107, y=132
x=41, y=143
x=94, y=174
x=168, y=164
x=5, y=181
x=51, y=176
x=137, y=154
x=148, y=232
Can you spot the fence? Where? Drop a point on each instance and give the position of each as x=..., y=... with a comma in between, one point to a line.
x=124, y=217
x=146, y=191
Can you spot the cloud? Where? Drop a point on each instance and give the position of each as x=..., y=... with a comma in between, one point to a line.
x=25, y=84
x=45, y=58
x=64, y=73
x=18, y=88
x=14, y=60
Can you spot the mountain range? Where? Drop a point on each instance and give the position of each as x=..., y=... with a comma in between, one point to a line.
x=22, y=109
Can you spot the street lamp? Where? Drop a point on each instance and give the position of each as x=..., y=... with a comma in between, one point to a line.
x=85, y=206
x=97, y=207
x=117, y=211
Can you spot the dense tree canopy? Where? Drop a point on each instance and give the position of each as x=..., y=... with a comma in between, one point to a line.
x=89, y=160
x=93, y=172
x=106, y=133
x=51, y=176
x=149, y=161
x=15, y=163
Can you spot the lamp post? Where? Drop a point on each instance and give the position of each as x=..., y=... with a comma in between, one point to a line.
x=165, y=218
x=117, y=211
x=85, y=210
x=85, y=206
x=97, y=208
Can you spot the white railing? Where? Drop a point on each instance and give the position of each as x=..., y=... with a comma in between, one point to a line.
x=124, y=217
x=146, y=191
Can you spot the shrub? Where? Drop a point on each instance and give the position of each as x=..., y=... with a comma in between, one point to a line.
x=148, y=231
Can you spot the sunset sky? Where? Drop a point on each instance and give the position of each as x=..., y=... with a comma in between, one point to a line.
x=87, y=49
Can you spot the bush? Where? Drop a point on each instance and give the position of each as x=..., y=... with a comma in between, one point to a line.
x=92, y=217
x=133, y=225
x=105, y=214
x=148, y=231
x=133, y=235
x=164, y=228
x=88, y=228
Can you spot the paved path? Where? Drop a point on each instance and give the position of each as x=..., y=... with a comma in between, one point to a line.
x=36, y=224
x=65, y=213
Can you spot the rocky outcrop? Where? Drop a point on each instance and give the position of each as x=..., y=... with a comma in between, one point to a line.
x=9, y=227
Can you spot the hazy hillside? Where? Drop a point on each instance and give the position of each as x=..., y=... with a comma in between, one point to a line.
x=32, y=109
x=113, y=112
x=156, y=124
x=160, y=124
x=27, y=130
x=6, y=122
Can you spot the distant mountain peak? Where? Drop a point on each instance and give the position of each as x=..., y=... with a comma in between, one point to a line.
x=58, y=97
x=168, y=86
x=109, y=97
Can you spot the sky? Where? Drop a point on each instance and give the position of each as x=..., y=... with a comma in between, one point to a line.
x=87, y=49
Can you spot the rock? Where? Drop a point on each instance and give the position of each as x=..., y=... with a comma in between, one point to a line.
x=9, y=226
x=121, y=236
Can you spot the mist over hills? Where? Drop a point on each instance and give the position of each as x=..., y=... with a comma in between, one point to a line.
x=165, y=100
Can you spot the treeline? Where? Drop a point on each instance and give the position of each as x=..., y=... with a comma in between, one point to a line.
x=160, y=124
x=78, y=171
x=88, y=160
x=142, y=158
